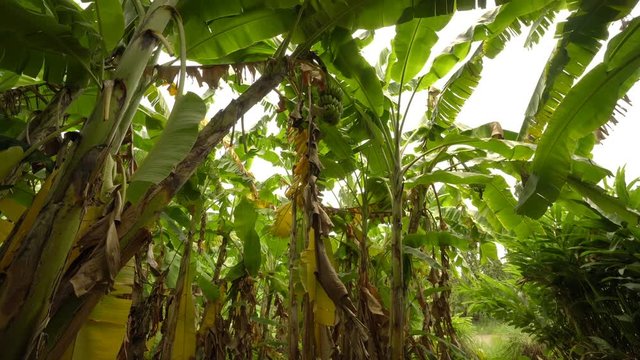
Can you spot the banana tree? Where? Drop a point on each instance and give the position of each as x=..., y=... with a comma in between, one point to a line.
x=94, y=199
x=78, y=207
x=386, y=124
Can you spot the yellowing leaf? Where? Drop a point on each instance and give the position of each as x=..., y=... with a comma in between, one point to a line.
x=210, y=312
x=282, y=225
x=11, y=209
x=308, y=260
x=179, y=340
x=101, y=336
x=184, y=344
x=11, y=157
x=208, y=318
x=324, y=309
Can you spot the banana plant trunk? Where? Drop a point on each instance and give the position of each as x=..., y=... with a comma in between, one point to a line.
x=71, y=310
x=294, y=333
x=36, y=297
x=397, y=291
x=33, y=268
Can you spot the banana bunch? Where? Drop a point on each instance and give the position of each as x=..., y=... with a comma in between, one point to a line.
x=331, y=103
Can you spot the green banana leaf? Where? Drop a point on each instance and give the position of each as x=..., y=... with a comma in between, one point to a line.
x=586, y=107
x=174, y=144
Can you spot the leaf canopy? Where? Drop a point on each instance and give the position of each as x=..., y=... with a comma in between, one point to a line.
x=587, y=106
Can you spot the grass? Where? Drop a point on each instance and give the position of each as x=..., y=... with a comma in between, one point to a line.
x=492, y=340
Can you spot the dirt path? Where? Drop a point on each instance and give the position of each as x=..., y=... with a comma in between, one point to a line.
x=485, y=339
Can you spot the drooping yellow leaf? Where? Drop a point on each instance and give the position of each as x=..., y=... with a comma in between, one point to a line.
x=11, y=209
x=282, y=224
x=208, y=318
x=179, y=340
x=11, y=157
x=324, y=309
x=101, y=336
x=184, y=344
x=306, y=257
x=212, y=309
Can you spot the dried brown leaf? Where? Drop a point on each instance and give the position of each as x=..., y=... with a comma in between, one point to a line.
x=91, y=273
x=212, y=75
x=372, y=303
x=496, y=131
